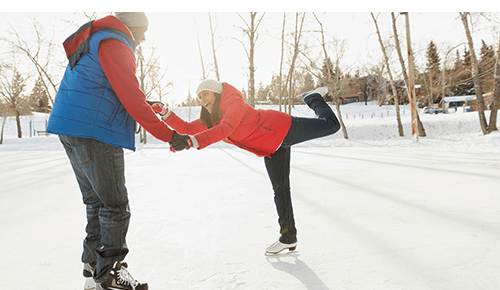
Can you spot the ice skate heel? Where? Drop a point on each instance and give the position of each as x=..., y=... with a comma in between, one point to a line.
x=88, y=273
x=278, y=247
x=89, y=284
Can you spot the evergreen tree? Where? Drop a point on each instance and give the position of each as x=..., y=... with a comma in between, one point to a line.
x=262, y=92
x=467, y=61
x=433, y=73
x=462, y=83
x=274, y=89
x=39, y=98
x=433, y=60
x=486, y=67
x=308, y=83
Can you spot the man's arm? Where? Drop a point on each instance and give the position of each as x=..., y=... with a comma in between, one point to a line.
x=118, y=63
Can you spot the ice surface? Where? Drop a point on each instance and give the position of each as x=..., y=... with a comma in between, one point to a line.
x=376, y=211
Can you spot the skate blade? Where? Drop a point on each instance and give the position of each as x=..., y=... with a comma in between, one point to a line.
x=89, y=284
x=283, y=252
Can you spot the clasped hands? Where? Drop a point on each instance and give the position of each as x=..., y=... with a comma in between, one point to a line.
x=178, y=142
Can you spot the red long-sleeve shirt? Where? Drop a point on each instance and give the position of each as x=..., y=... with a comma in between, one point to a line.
x=118, y=63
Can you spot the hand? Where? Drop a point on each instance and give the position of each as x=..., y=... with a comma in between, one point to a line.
x=158, y=108
x=192, y=143
x=179, y=142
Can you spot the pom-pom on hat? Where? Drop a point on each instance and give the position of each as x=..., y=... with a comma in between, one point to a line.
x=133, y=19
x=210, y=85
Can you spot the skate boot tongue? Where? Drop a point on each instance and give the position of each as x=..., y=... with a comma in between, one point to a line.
x=123, y=277
x=120, y=264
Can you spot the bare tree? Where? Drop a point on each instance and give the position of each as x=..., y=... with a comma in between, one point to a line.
x=280, y=93
x=393, y=86
x=290, y=77
x=212, y=34
x=150, y=78
x=204, y=75
x=150, y=75
x=4, y=113
x=373, y=81
x=333, y=81
x=33, y=52
x=250, y=31
x=157, y=83
x=12, y=85
x=492, y=126
x=475, y=75
x=409, y=88
x=496, y=95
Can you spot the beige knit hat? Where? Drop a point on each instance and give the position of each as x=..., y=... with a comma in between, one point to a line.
x=133, y=19
x=210, y=85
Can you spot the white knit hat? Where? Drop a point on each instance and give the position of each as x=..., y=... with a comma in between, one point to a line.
x=210, y=85
x=133, y=19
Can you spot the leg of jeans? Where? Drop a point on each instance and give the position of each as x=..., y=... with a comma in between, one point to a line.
x=278, y=168
x=93, y=229
x=304, y=129
x=92, y=241
x=103, y=167
x=114, y=215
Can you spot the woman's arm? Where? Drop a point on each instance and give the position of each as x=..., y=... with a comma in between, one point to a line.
x=234, y=109
x=233, y=112
x=183, y=127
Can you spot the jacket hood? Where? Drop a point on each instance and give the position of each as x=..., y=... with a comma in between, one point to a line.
x=78, y=43
x=229, y=92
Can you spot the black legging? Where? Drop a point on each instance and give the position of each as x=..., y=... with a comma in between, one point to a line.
x=278, y=166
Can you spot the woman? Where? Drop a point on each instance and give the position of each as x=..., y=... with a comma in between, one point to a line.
x=225, y=116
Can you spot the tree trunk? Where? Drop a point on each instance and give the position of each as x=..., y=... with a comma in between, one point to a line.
x=331, y=84
x=204, y=76
x=18, y=122
x=394, y=91
x=496, y=96
x=421, y=128
x=251, y=67
x=280, y=91
x=341, y=121
x=475, y=75
x=297, y=36
x=212, y=33
x=3, y=126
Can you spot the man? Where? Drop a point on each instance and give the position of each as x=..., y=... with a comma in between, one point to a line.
x=94, y=114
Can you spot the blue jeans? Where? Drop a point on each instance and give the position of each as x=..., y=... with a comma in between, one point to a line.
x=278, y=166
x=100, y=171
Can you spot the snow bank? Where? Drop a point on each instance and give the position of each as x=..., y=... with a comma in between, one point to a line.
x=367, y=126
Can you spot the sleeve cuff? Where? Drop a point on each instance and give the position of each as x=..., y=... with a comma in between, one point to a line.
x=164, y=117
x=195, y=142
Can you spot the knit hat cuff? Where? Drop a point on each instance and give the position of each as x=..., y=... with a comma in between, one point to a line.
x=210, y=85
x=133, y=19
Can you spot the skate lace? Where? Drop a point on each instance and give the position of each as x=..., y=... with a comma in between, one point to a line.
x=124, y=278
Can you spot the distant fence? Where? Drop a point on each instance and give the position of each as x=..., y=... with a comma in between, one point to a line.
x=38, y=128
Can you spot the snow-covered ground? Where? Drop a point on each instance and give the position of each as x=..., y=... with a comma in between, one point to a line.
x=375, y=211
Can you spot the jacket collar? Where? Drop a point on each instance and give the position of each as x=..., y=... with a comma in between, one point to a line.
x=78, y=43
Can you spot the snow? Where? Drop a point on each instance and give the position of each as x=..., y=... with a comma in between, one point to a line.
x=375, y=211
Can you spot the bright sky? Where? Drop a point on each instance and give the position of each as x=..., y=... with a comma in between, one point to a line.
x=175, y=36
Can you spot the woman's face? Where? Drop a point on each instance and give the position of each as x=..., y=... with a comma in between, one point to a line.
x=207, y=100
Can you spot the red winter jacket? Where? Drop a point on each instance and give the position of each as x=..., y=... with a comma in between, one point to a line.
x=258, y=131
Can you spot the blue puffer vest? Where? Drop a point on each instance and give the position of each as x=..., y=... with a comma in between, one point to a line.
x=86, y=105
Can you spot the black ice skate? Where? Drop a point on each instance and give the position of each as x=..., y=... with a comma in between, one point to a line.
x=120, y=279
